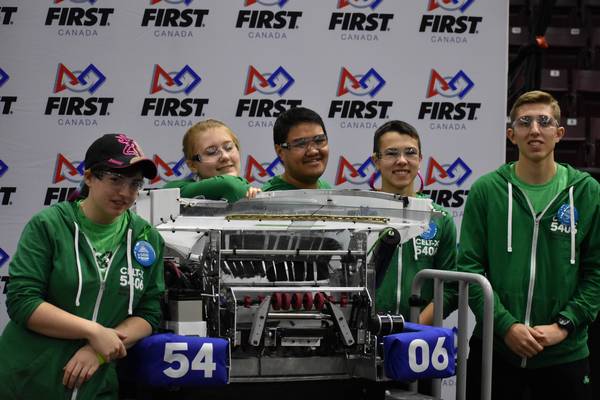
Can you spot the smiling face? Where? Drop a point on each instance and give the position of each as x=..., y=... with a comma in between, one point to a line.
x=110, y=194
x=399, y=161
x=303, y=166
x=217, y=152
x=535, y=142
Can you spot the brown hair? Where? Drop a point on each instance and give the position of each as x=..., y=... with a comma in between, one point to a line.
x=536, y=97
x=202, y=127
x=403, y=128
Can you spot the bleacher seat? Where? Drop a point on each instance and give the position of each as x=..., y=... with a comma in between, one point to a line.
x=554, y=80
x=567, y=47
x=575, y=128
x=595, y=140
x=586, y=89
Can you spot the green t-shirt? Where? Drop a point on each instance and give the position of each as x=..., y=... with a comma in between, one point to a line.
x=104, y=238
x=277, y=183
x=230, y=188
x=541, y=195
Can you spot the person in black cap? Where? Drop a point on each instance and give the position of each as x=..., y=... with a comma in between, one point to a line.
x=85, y=283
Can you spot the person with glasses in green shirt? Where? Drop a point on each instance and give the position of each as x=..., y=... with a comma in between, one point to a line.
x=532, y=227
x=397, y=155
x=300, y=141
x=212, y=153
x=85, y=283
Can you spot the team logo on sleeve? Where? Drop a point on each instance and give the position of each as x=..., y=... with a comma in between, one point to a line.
x=561, y=221
x=144, y=253
x=431, y=231
x=563, y=215
x=426, y=243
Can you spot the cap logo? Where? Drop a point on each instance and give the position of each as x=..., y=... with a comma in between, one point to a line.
x=113, y=161
x=130, y=147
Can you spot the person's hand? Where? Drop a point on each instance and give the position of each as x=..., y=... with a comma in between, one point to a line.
x=522, y=340
x=108, y=342
x=426, y=316
x=80, y=367
x=252, y=192
x=549, y=335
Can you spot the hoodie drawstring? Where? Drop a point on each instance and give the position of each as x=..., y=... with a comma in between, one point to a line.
x=78, y=262
x=399, y=275
x=415, y=248
x=572, y=221
x=509, y=222
x=129, y=273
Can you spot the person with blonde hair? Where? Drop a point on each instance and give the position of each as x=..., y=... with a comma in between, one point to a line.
x=212, y=153
x=532, y=228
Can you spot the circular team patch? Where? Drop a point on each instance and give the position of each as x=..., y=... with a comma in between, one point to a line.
x=430, y=232
x=144, y=253
x=563, y=215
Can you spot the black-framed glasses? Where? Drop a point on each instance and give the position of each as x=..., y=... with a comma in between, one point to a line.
x=213, y=153
x=543, y=121
x=118, y=181
x=319, y=141
x=393, y=153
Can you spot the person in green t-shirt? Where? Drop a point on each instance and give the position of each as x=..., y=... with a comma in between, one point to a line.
x=397, y=155
x=85, y=283
x=533, y=229
x=300, y=141
x=212, y=152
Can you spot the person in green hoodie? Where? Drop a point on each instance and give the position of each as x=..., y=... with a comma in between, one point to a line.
x=212, y=153
x=300, y=141
x=532, y=228
x=85, y=283
x=397, y=155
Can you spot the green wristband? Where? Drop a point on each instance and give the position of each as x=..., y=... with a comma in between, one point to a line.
x=101, y=359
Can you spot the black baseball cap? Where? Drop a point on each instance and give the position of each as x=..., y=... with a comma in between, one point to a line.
x=116, y=151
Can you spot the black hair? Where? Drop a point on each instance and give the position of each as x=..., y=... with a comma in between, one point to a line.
x=292, y=117
x=403, y=128
x=83, y=190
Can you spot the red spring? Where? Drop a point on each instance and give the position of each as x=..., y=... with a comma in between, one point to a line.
x=307, y=301
x=286, y=300
x=260, y=298
x=247, y=301
x=276, y=301
x=319, y=301
x=343, y=300
x=297, y=301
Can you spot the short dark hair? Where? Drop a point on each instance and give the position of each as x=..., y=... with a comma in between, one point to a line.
x=403, y=128
x=292, y=117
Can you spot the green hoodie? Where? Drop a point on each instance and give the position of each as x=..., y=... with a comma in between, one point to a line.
x=539, y=266
x=230, y=188
x=277, y=183
x=46, y=267
x=434, y=248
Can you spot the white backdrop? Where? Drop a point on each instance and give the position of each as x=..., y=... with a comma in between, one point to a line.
x=73, y=70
